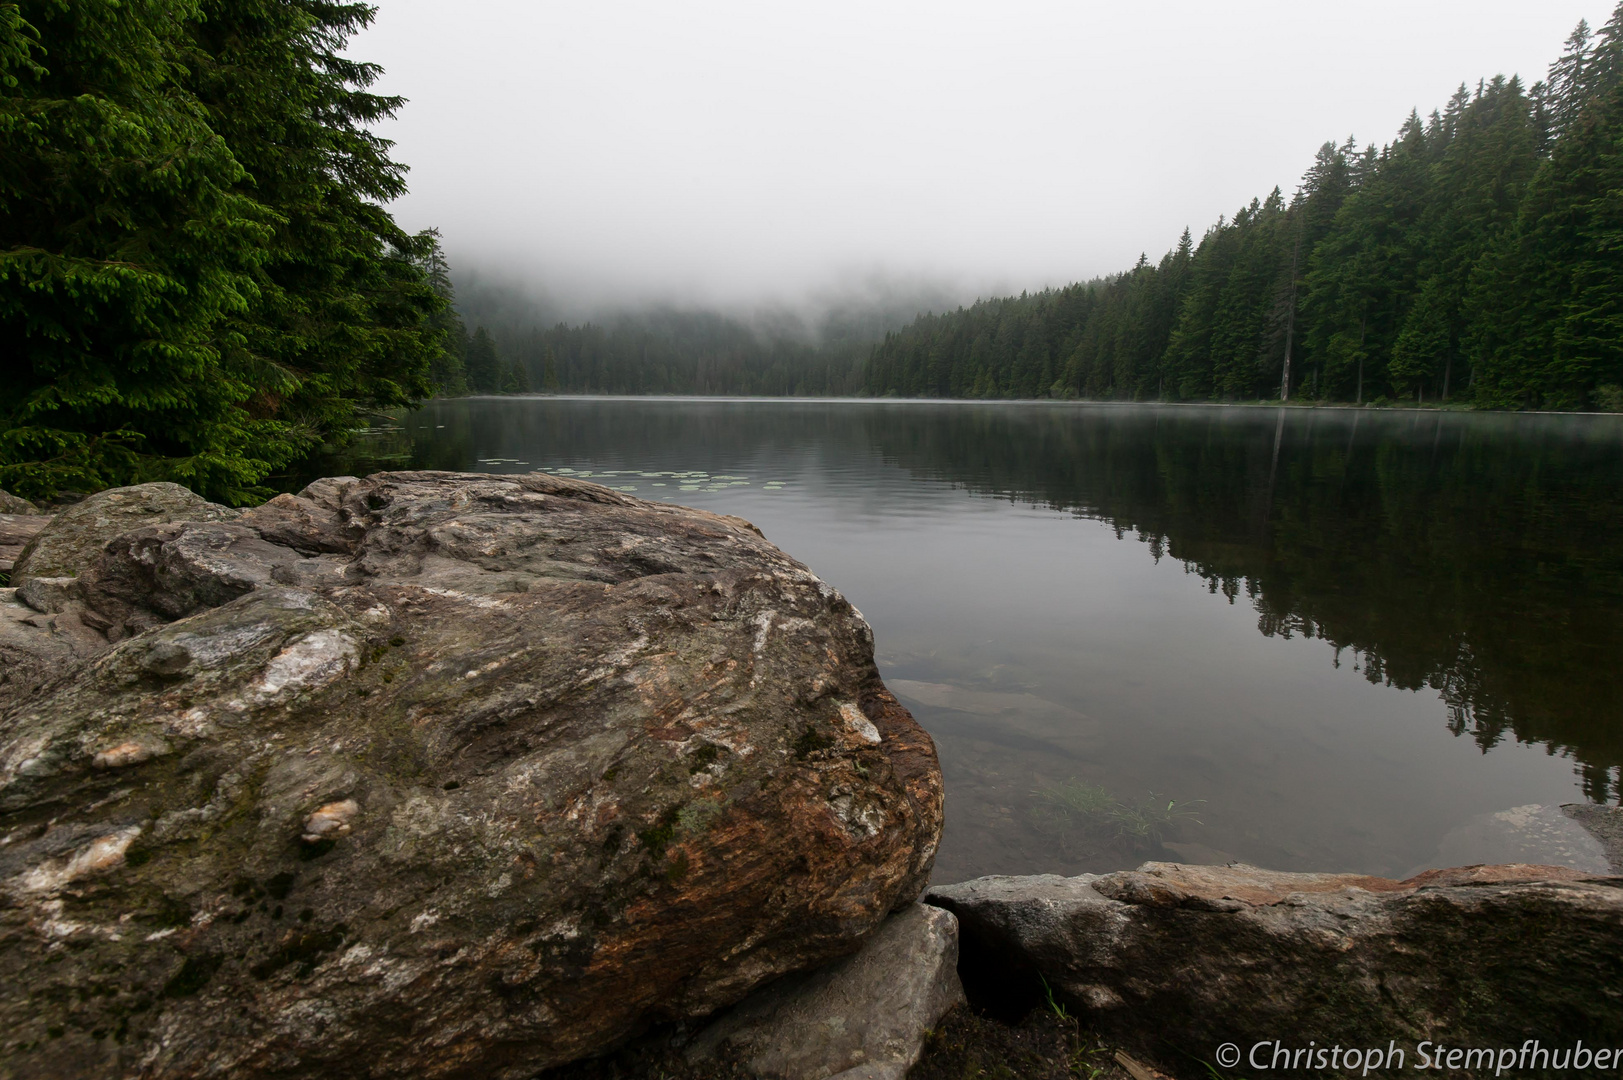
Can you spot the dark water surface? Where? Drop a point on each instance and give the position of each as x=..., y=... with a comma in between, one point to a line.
x=1307, y=640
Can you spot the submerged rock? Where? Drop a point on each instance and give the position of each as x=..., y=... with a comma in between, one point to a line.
x=1541, y=835
x=431, y=774
x=1177, y=960
x=1605, y=825
x=863, y=1018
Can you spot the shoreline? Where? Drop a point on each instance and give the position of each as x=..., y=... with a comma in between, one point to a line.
x=1052, y=402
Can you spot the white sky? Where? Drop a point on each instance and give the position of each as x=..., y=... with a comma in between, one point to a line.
x=720, y=152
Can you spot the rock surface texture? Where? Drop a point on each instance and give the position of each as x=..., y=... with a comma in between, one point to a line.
x=861, y=1018
x=16, y=531
x=1177, y=960
x=12, y=504
x=428, y=775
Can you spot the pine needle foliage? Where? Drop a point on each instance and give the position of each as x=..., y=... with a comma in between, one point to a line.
x=198, y=279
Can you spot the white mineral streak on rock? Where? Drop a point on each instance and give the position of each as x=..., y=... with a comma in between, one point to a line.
x=424, y=920
x=562, y=930
x=452, y=594
x=192, y=724
x=53, y=925
x=763, y=627
x=331, y=821
x=623, y=656
x=213, y=649
x=616, y=661
x=863, y=820
x=100, y=855
x=312, y=661
x=858, y=723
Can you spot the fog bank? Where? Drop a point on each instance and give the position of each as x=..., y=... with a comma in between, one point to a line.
x=724, y=154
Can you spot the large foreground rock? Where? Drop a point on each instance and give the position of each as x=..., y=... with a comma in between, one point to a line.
x=862, y=1018
x=433, y=775
x=1177, y=960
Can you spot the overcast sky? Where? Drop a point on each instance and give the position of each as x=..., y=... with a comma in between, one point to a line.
x=733, y=153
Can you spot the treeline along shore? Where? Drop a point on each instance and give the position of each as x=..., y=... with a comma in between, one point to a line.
x=1474, y=261
x=1478, y=258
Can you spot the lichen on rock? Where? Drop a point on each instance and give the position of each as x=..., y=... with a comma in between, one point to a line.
x=430, y=774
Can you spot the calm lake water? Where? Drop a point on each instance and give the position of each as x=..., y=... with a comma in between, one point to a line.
x=1303, y=639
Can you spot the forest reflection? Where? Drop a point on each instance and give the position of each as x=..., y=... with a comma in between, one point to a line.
x=1477, y=555
x=1480, y=556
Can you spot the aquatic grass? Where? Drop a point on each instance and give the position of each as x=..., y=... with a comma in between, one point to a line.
x=1149, y=821
x=1075, y=797
x=1075, y=804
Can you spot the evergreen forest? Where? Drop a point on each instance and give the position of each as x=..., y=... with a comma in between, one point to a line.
x=677, y=351
x=200, y=280
x=1476, y=259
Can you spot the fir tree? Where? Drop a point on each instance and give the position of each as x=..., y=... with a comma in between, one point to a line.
x=515, y=378
x=447, y=373
x=483, y=365
x=125, y=244
x=197, y=279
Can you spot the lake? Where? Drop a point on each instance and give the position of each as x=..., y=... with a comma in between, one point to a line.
x=1306, y=639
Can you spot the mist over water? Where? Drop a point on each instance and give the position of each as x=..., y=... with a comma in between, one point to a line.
x=740, y=157
x=1303, y=639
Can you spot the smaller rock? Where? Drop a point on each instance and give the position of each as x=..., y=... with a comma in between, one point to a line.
x=1173, y=960
x=178, y=568
x=13, y=504
x=328, y=492
x=303, y=525
x=49, y=595
x=861, y=1018
x=71, y=541
x=16, y=531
